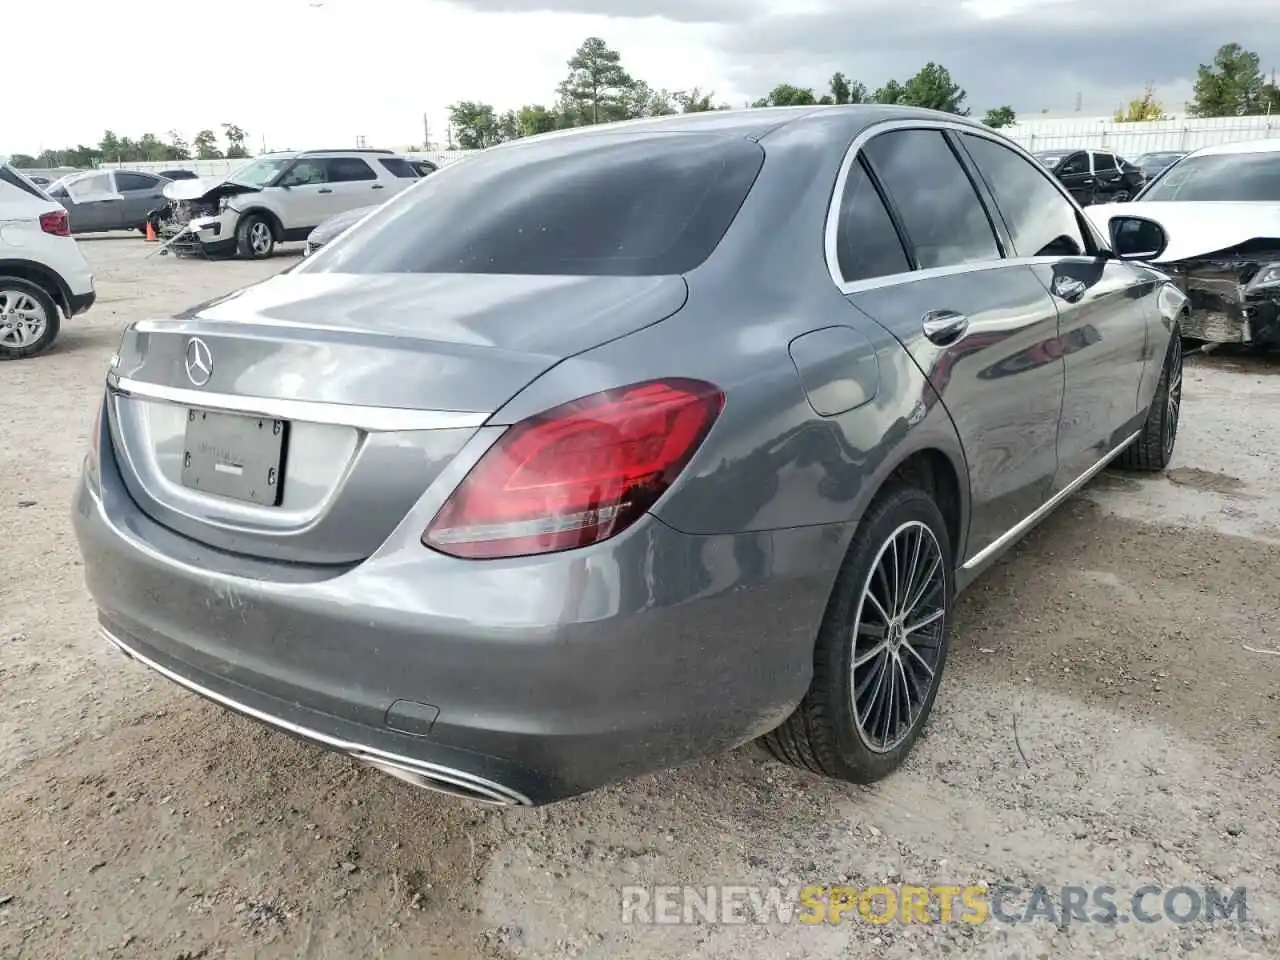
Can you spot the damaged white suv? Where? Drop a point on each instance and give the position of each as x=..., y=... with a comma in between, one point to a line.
x=275, y=198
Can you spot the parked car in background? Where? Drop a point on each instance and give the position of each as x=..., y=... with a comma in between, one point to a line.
x=335, y=225
x=622, y=446
x=275, y=198
x=1152, y=163
x=100, y=200
x=1093, y=176
x=178, y=174
x=340, y=222
x=44, y=277
x=1220, y=208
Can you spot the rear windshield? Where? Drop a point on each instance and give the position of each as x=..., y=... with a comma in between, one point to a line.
x=1248, y=177
x=593, y=204
x=16, y=178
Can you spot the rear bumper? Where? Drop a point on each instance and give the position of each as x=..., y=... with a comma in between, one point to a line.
x=79, y=303
x=520, y=682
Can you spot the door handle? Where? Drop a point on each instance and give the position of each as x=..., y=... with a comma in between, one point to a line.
x=1068, y=288
x=377, y=186
x=944, y=326
x=1087, y=180
x=324, y=190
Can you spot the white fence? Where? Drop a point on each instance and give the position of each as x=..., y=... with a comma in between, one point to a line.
x=1132, y=139
x=221, y=168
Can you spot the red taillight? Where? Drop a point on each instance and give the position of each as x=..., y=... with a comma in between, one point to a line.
x=577, y=474
x=56, y=223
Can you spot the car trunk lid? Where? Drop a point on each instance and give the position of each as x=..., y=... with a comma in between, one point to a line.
x=300, y=419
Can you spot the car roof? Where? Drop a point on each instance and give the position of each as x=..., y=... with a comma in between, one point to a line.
x=1267, y=145
x=754, y=123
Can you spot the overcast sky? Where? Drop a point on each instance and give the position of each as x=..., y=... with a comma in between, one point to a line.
x=322, y=72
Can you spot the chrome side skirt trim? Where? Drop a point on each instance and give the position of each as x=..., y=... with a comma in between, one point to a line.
x=429, y=776
x=371, y=419
x=1012, y=534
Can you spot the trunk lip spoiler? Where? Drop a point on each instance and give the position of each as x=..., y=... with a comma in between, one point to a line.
x=367, y=418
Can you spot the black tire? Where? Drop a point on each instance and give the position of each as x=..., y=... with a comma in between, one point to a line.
x=824, y=734
x=1153, y=449
x=17, y=286
x=255, y=240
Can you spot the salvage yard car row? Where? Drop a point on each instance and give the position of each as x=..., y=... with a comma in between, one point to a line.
x=763, y=540
x=947, y=322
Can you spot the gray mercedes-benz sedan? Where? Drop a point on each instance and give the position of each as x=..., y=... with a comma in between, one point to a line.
x=685, y=432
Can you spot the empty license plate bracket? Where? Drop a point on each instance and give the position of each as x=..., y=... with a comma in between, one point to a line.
x=235, y=456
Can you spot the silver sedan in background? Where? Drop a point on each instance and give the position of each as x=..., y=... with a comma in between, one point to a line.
x=664, y=445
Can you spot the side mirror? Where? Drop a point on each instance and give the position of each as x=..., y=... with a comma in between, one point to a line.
x=1137, y=238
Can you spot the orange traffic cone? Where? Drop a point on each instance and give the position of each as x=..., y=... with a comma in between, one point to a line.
x=151, y=232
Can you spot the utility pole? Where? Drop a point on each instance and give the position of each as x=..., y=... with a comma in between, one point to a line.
x=426, y=132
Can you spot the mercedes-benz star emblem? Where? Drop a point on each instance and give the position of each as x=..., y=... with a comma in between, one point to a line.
x=199, y=362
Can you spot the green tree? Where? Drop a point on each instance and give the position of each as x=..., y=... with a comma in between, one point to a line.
x=933, y=87
x=1145, y=107
x=891, y=92
x=23, y=161
x=844, y=90
x=1232, y=86
x=598, y=89
x=998, y=117
x=110, y=146
x=474, y=124
x=206, y=146
x=787, y=95
x=1271, y=98
x=694, y=100
x=534, y=118
x=178, y=148
x=235, y=141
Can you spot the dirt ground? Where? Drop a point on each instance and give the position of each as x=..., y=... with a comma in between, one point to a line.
x=1109, y=717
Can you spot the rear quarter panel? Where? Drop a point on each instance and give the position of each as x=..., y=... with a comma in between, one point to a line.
x=771, y=462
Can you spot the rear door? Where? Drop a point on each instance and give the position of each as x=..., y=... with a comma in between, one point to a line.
x=1104, y=306
x=1076, y=174
x=983, y=329
x=140, y=194
x=355, y=183
x=1108, y=176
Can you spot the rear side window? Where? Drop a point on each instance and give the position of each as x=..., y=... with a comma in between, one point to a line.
x=15, y=179
x=347, y=169
x=939, y=209
x=127, y=182
x=1041, y=221
x=399, y=168
x=867, y=243
x=603, y=204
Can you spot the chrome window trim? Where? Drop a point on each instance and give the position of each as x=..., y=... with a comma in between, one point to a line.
x=369, y=419
x=832, y=225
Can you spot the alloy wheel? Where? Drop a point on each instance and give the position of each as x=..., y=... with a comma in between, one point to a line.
x=898, y=636
x=23, y=320
x=260, y=238
x=1173, y=402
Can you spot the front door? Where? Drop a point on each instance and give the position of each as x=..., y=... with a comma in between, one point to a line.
x=1102, y=304
x=92, y=203
x=308, y=196
x=1076, y=174
x=983, y=330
